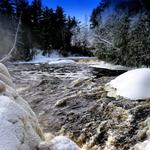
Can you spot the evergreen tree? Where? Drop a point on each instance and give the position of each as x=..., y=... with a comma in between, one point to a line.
x=123, y=36
x=47, y=30
x=41, y=28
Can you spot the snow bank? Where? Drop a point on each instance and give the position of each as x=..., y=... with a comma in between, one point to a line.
x=134, y=84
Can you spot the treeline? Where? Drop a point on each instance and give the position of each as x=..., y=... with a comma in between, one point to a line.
x=122, y=30
x=41, y=28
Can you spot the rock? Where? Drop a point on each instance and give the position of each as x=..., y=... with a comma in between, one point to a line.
x=4, y=71
x=61, y=103
x=16, y=130
x=19, y=127
x=2, y=87
x=59, y=143
x=44, y=146
x=99, y=72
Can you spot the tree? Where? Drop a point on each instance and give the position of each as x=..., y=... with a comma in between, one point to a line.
x=40, y=28
x=81, y=39
x=139, y=47
x=47, y=29
x=123, y=37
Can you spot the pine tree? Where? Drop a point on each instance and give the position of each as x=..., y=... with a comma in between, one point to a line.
x=41, y=28
x=123, y=37
x=47, y=30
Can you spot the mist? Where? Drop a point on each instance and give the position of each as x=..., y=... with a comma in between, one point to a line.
x=6, y=38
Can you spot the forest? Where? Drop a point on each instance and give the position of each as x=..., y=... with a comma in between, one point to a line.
x=112, y=34
x=122, y=30
x=54, y=98
x=40, y=28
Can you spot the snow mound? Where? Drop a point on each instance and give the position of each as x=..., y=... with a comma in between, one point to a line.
x=134, y=84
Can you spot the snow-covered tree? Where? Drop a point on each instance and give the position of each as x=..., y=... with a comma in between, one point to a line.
x=122, y=33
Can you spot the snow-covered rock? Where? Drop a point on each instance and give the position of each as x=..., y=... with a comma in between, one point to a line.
x=59, y=143
x=142, y=146
x=19, y=127
x=134, y=84
x=5, y=76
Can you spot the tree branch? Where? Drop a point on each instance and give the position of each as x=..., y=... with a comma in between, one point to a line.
x=105, y=41
x=108, y=42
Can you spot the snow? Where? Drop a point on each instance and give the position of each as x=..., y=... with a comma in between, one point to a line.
x=53, y=58
x=39, y=59
x=14, y=120
x=63, y=143
x=103, y=64
x=19, y=128
x=134, y=84
x=61, y=62
x=11, y=129
x=56, y=58
x=143, y=146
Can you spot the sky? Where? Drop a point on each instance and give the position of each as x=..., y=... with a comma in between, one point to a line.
x=81, y=9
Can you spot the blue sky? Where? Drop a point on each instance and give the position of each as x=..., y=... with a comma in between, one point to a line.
x=77, y=8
